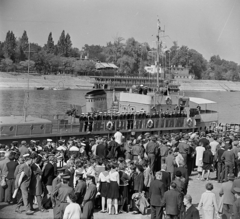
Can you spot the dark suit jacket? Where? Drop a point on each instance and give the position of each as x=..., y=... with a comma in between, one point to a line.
x=35, y=186
x=80, y=191
x=101, y=150
x=48, y=174
x=172, y=201
x=166, y=179
x=138, y=182
x=191, y=213
x=156, y=192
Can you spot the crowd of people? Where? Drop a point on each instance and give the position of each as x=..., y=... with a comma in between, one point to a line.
x=117, y=174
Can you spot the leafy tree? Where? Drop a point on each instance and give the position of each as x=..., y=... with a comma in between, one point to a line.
x=61, y=45
x=126, y=64
x=83, y=66
x=74, y=52
x=25, y=64
x=49, y=47
x=9, y=45
x=94, y=52
x=1, y=50
x=68, y=45
x=7, y=64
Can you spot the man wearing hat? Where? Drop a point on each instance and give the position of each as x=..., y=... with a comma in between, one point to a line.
x=151, y=151
x=184, y=147
x=61, y=194
x=55, y=185
x=48, y=175
x=23, y=184
x=236, y=205
x=156, y=194
x=228, y=196
x=89, y=198
x=80, y=188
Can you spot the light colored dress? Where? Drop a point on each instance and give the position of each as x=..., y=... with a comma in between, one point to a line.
x=199, y=157
x=208, y=204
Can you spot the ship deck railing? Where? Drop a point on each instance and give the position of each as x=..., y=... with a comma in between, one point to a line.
x=67, y=125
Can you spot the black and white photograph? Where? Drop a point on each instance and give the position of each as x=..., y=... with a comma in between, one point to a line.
x=125, y=109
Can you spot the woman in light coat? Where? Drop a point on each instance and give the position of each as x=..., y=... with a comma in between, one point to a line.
x=199, y=159
x=208, y=203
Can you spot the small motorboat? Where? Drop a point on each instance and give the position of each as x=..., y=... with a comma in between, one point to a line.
x=39, y=88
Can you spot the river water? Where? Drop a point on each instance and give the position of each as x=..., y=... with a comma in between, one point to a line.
x=47, y=102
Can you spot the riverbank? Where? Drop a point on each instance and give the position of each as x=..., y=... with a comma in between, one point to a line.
x=20, y=81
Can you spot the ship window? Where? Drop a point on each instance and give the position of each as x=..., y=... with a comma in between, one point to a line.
x=11, y=128
x=1, y=129
x=31, y=127
x=42, y=127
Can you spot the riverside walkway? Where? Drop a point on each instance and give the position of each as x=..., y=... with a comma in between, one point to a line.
x=195, y=189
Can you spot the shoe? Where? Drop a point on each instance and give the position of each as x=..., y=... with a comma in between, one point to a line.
x=18, y=210
x=44, y=210
x=29, y=212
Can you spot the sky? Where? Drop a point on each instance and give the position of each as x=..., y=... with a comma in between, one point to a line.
x=212, y=27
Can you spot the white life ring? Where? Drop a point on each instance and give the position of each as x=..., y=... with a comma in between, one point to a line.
x=109, y=125
x=168, y=100
x=189, y=122
x=149, y=124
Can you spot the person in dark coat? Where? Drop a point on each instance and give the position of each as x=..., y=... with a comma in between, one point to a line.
x=166, y=176
x=89, y=199
x=61, y=193
x=207, y=162
x=80, y=189
x=10, y=178
x=55, y=185
x=190, y=211
x=138, y=184
x=48, y=176
x=172, y=202
x=184, y=174
x=156, y=194
x=35, y=186
x=101, y=150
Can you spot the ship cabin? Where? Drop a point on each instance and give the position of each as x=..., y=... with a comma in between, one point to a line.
x=126, y=82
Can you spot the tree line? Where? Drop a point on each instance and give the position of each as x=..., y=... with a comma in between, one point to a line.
x=129, y=55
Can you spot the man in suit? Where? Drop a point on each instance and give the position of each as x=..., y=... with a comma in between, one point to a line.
x=172, y=202
x=166, y=177
x=101, y=150
x=80, y=189
x=3, y=173
x=228, y=196
x=55, y=185
x=24, y=182
x=61, y=193
x=35, y=186
x=190, y=211
x=156, y=193
x=48, y=176
x=89, y=198
x=9, y=169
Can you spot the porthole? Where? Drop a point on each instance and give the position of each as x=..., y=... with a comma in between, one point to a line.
x=11, y=128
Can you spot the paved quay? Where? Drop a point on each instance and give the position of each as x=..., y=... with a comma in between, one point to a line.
x=195, y=189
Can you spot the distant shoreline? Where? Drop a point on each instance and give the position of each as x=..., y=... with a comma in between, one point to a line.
x=10, y=81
